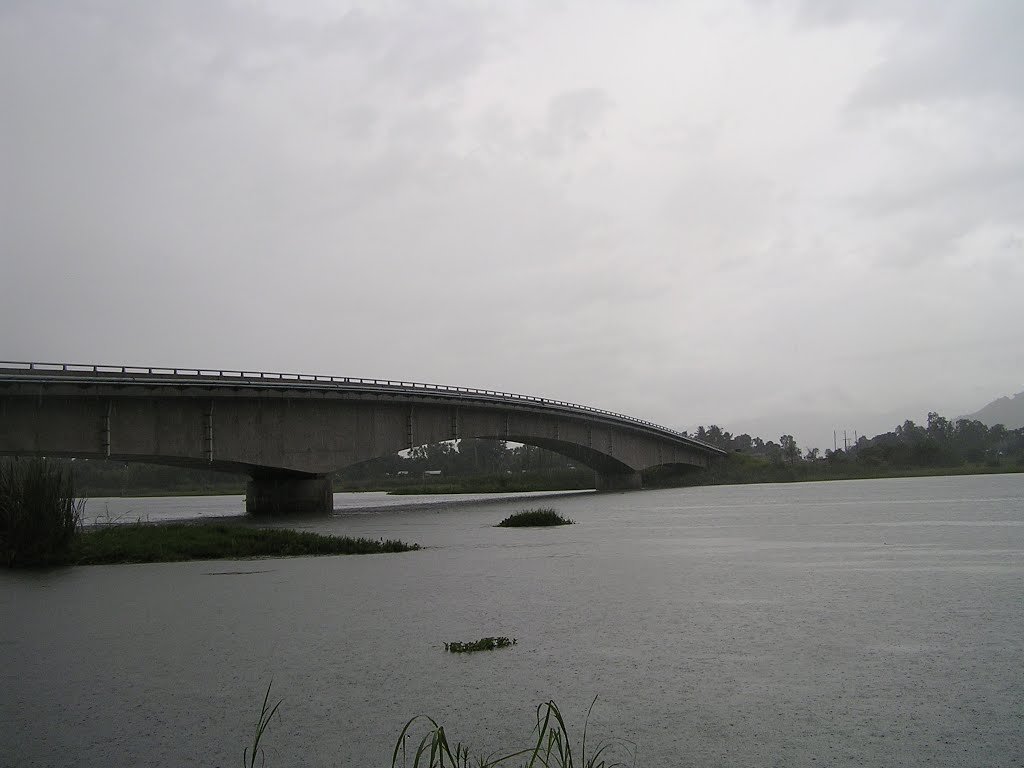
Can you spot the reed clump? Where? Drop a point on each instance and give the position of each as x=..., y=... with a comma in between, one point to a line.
x=550, y=747
x=39, y=514
x=483, y=644
x=535, y=517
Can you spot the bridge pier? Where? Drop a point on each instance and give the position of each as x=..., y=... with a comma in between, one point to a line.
x=289, y=495
x=624, y=481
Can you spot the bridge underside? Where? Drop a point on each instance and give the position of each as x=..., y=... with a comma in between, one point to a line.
x=289, y=444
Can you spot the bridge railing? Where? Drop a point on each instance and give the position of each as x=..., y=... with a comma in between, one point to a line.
x=341, y=382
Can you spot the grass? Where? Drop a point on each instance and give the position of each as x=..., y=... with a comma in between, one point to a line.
x=534, y=517
x=741, y=469
x=483, y=644
x=141, y=543
x=39, y=515
x=561, y=481
x=266, y=714
x=551, y=747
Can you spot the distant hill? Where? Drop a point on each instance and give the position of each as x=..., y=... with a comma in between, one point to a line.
x=1006, y=411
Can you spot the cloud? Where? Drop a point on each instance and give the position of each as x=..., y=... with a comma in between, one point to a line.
x=572, y=117
x=950, y=52
x=729, y=211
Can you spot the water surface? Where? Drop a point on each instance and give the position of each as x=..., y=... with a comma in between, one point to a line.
x=872, y=623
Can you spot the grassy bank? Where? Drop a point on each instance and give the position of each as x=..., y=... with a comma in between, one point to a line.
x=145, y=493
x=566, y=480
x=473, y=487
x=739, y=469
x=179, y=541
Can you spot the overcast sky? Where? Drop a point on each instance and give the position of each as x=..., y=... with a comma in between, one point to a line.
x=770, y=215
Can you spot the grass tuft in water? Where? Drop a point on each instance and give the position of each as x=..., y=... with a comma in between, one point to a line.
x=266, y=713
x=534, y=517
x=551, y=747
x=483, y=644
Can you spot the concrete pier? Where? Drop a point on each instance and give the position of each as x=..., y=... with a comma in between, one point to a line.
x=289, y=495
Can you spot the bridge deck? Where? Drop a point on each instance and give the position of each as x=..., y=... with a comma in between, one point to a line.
x=121, y=375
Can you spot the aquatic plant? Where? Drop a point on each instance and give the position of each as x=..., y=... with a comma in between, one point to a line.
x=551, y=747
x=266, y=713
x=534, y=517
x=483, y=644
x=39, y=514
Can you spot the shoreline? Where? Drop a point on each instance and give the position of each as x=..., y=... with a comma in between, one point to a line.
x=500, y=495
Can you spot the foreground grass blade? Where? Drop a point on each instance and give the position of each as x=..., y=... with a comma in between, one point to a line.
x=249, y=760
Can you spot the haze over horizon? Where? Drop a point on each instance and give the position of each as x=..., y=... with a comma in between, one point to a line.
x=776, y=216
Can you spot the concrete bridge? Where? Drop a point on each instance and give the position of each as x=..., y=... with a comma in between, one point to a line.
x=288, y=432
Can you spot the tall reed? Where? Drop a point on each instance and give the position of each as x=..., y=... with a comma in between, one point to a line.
x=551, y=747
x=39, y=514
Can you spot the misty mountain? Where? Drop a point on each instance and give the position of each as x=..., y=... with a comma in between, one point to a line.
x=1006, y=411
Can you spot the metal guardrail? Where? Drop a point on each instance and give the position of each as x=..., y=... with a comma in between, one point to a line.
x=340, y=382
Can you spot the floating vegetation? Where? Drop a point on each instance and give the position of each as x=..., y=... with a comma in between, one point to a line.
x=534, y=517
x=483, y=644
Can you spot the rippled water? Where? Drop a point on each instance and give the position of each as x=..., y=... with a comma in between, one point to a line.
x=874, y=623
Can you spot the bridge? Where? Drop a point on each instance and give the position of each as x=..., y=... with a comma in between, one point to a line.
x=288, y=432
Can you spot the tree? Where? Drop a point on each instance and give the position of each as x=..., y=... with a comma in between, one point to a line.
x=789, y=448
x=939, y=427
x=487, y=455
x=812, y=454
x=742, y=442
x=909, y=432
x=835, y=456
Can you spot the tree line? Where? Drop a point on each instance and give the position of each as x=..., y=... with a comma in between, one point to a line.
x=939, y=443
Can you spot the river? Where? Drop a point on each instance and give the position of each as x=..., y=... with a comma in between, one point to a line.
x=869, y=623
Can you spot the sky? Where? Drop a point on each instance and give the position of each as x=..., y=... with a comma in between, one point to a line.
x=776, y=216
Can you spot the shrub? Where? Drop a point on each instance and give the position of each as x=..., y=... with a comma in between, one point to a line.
x=534, y=517
x=39, y=515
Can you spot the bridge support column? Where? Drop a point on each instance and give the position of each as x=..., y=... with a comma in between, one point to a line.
x=289, y=495
x=625, y=481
